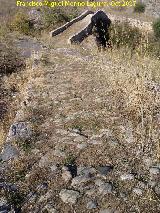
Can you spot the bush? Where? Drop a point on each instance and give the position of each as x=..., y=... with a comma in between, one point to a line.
x=122, y=34
x=139, y=7
x=156, y=28
x=22, y=24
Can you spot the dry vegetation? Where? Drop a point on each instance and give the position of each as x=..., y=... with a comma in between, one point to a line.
x=79, y=88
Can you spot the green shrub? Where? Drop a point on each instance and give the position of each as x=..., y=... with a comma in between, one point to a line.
x=139, y=7
x=22, y=24
x=156, y=28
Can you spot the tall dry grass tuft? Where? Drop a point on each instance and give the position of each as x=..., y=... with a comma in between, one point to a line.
x=138, y=42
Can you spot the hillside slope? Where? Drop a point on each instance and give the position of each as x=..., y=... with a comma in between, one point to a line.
x=88, y=133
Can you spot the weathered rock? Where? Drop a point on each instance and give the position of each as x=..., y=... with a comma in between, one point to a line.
x=152, y=183
x=44, y=161
x=79, y=180
x=137, y=191
x=91, y=192
x=147, y=162
x=54, y=168
x=79, y=138
x=3, y=202
x=19, y=131
x=95, y=141
x=50, y=209
x=104, y=170
x=45, y=197
x=82, y=146
x=105, y=188
x=59, y=153
x=67, y=176
x=86, y=171
x=99, y=182
x=91, y=205
x=127, y=177
x=157, y=189
x=9, y=152
x=154, y=171
x=106, y=210
x=69, y=196
x=61, y=132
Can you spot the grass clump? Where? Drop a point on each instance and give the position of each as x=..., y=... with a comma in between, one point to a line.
x=139, y=7
x=22, y=24
x=156, y=28
x=10, y=59
x=70, y=159
x=125, y=35
x=122, y=34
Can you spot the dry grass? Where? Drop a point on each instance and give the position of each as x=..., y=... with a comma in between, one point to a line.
x=88, y=90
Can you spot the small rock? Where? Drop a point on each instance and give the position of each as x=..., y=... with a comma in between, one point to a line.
x=82, y=146
x=91, y=205
x=137, y=191
x=44, y=161
x=123, y=195
x=49, y=208
x=113, y=141
x=9, y=151
x=91, y=192
x=61, y=132
x=87, y=171
x=45, y=197
x=79, y=180
x=106, y=132
x=19, y=130
x=104, y=170
x=157, y=189
x=152, y=183
x=3, y=201
x=99, y=182
x=127, y=177
x=54, y=168
x=42, y=187
x=79, y=138
x=75, y=130
x=154, y=171
x=95, y=142
x=59, y=153
x=72, y=134
x=105, y=188
x=106, y=210
x=69, y=196
x=147, y=161
x=67, y=176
